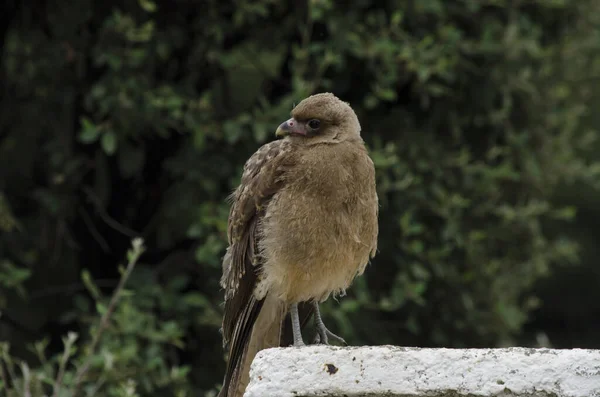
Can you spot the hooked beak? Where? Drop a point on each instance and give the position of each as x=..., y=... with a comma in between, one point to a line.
x=290, y=127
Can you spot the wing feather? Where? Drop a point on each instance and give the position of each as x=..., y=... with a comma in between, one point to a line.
x=262, y=178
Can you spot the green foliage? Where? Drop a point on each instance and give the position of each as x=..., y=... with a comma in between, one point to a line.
x=116, y=361
x=135, y=118
x=126, y=355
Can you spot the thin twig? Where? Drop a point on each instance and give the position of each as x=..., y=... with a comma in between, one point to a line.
x=95, y=233
x=101, y=381
x=26, y=380
x=3, y=376
x=133, y=256
x=110, y=221
x=70, y=288
x=63, y=363
x=11, y=373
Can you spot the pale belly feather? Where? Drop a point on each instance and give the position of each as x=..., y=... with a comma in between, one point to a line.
x=312, y=247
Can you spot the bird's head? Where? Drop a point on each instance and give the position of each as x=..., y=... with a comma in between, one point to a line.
x=321, y=116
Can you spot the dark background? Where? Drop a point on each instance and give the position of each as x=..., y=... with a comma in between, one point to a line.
x=133, y=118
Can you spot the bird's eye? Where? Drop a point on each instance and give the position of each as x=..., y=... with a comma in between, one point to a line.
x=314, y=124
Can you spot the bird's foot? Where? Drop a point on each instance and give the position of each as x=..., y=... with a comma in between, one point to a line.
x=323, y=336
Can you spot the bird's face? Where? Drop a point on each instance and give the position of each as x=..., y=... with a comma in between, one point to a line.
x=299, y=127
x=321, y=115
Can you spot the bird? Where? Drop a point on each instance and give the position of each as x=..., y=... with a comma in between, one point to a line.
x=303, y=223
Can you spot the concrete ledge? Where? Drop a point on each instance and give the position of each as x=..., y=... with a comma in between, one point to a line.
x=403, y=371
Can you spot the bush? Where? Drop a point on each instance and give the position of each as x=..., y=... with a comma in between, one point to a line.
x=134, y=118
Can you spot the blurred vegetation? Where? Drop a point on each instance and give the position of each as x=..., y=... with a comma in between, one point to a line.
x=133, y=118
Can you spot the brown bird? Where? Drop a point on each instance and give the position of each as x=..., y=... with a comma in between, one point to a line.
x=302, y=225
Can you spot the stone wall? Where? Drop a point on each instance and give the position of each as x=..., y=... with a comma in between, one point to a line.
x=402, y=371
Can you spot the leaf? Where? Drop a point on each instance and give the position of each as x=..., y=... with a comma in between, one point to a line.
x=89, y=284
x=109, y=143
x=101, y=308
x=89, y=132
x=148, y=5
x=195, y=299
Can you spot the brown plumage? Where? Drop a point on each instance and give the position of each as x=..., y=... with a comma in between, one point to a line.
x=302, y=225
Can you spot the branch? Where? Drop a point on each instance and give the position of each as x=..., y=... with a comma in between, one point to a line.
x=132, y=256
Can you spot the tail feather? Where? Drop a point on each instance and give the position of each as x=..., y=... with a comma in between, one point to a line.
x=260, y=328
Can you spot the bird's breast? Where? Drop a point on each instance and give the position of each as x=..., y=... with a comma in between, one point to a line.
x=313, y=235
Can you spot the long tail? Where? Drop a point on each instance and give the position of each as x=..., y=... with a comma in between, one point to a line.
x=260, y=328
x=268, y=326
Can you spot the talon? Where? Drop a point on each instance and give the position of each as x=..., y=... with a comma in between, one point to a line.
x=336, y=337
x=323, y=334
x=317, y=339
x=321, y=337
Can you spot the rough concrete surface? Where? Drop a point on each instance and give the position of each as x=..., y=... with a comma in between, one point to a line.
x=404, y=371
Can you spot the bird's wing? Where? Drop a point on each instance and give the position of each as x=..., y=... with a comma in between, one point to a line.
x=375, y=199
x=262, y=178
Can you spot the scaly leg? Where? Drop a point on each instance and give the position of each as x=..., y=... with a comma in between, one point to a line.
x=296, y=326
x=323, y=334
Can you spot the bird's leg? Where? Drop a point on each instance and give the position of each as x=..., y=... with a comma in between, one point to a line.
x=323, y=334
x=296, y=325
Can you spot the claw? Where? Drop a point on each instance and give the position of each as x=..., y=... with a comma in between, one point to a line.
x=335, y=337
x=317, y=339
x=323, y=334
